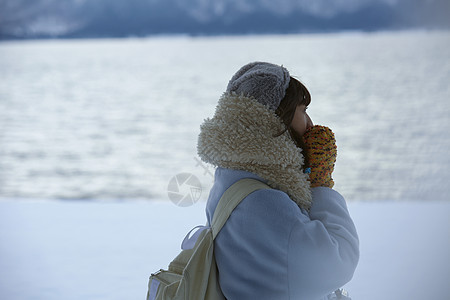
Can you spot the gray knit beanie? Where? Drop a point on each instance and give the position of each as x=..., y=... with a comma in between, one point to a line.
x=265, y=82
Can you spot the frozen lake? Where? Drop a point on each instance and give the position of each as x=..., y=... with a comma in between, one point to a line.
x=94, y=250
x=118, y=118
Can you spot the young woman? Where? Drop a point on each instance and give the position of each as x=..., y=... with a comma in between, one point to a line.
x=296, y=240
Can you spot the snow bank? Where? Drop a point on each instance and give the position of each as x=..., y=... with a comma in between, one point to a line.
x=97, y=250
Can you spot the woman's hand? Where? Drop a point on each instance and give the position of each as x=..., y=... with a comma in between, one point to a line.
x=320, y=150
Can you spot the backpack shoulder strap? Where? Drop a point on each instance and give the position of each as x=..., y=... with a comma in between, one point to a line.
x=231, y=198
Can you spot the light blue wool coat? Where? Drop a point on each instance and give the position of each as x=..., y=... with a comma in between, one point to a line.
x=271, y=249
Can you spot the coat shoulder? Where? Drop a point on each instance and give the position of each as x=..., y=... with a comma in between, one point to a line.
x=274, y=207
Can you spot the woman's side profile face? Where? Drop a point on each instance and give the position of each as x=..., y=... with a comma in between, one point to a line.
x=301, y=121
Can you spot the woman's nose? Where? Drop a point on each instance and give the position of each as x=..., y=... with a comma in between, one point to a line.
x=309, y=122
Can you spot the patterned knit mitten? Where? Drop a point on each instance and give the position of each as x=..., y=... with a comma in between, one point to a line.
x=320, y=149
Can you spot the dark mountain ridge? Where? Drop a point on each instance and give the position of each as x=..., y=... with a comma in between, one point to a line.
x=118, y=18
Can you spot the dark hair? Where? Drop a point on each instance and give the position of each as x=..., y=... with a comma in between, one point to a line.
x=296, y=94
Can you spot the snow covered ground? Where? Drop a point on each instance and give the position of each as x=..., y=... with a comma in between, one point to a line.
x=106, y=250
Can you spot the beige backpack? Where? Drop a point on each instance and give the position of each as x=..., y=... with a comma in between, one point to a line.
x=193, y=273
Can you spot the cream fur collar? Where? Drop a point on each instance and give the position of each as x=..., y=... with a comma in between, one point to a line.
x=240, y=136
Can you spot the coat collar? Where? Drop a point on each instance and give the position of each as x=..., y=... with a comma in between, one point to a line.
x=241, y=136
